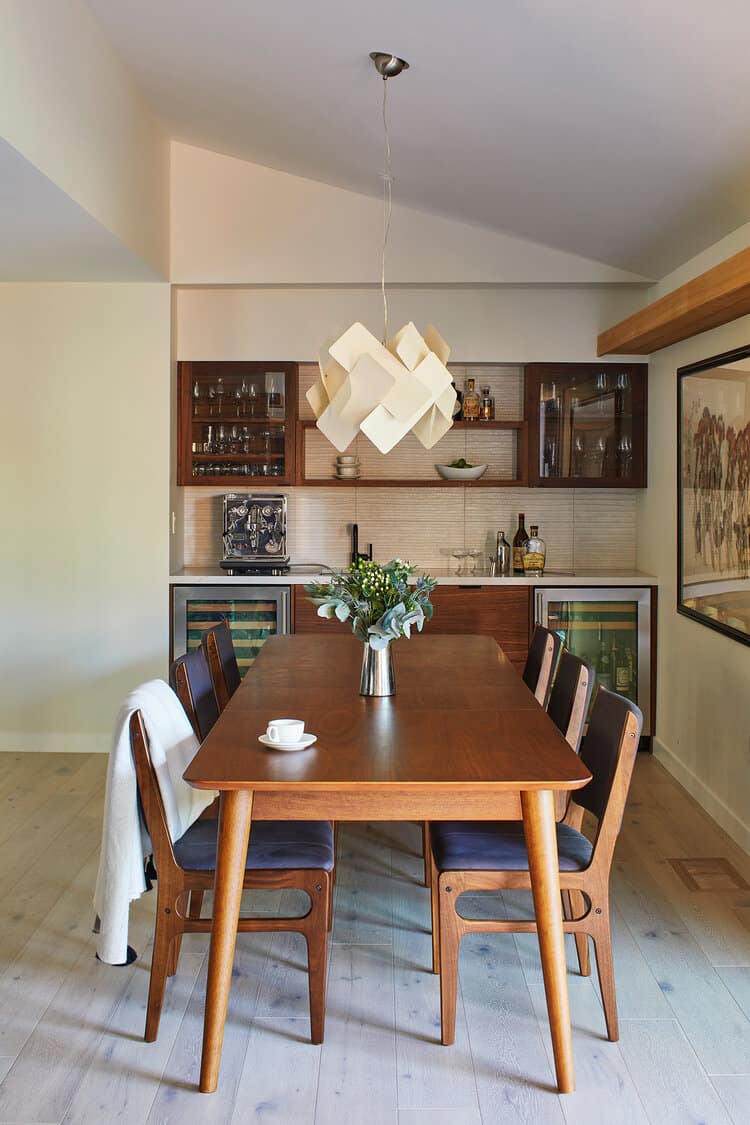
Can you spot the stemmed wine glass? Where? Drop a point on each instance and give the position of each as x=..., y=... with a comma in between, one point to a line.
x=253, y=398
x=238, y=400
x=220, y=393
x=196, y=396
x=211, y=397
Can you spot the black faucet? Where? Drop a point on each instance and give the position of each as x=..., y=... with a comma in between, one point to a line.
x=356, y=555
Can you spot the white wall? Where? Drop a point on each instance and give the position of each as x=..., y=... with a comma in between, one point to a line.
x=85, y=509
x=70, y=107
x=703, y=706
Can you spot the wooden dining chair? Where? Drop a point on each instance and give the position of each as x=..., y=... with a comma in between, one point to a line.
x=190, y=678
x=541, y=662
x=292, y=853
x=492, y=856
x=222, y=660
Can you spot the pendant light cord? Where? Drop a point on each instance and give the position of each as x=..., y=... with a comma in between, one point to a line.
x=387, y=207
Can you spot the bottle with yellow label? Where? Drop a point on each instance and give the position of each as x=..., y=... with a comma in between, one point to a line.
x=534, y=554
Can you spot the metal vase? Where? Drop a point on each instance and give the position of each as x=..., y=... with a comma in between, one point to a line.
x=377, y=672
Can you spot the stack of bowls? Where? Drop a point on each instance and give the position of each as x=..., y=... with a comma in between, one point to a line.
x=347, y=467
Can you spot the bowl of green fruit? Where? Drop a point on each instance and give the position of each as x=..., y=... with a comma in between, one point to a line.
x=461, y=470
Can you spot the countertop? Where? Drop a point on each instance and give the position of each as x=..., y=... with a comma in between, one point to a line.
x=308, y=572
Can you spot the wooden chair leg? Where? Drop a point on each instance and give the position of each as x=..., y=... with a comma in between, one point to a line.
x=316, y=936
x=196, y=903
x=602, y=938
x=426, y=852
x=578, y=907
x=159, y=967
x=329, y=899
x=435, y=911
x=450, y=940
x=174, y=954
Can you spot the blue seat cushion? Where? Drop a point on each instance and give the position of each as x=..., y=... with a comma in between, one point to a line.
x=275, y=845
x=497, y=845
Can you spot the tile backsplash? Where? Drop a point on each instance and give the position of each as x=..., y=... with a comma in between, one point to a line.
x=584, y=528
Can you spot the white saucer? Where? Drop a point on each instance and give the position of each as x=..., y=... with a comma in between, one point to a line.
x=304, y=742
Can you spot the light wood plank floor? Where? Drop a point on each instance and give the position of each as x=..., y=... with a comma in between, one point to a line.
x=71, y=1046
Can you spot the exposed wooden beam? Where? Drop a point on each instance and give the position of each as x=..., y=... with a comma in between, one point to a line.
x=715, y=297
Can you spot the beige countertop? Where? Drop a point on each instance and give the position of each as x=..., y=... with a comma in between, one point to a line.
x=301, y=573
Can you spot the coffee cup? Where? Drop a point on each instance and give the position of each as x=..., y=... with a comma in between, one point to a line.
x=285, y=730
x=346, y=460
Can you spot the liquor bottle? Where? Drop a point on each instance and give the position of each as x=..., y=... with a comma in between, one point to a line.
x=471, y=402
x=603, y=664
x=534, y=554
x=503, y=555
x=519, y=542
x=623, y=671
x=486, y=406
x=458, y=407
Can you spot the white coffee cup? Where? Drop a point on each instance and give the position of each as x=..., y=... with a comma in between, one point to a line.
x=347, y=460
x=285, y=730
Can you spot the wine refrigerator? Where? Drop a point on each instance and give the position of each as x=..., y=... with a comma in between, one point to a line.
x=613, y=630
x=254, y=613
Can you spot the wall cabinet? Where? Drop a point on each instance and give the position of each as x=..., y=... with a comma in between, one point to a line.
x=236, y=423
x=587, y=424
x=501, y=612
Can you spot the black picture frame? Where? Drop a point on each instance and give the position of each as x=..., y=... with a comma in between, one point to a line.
x=710, y=461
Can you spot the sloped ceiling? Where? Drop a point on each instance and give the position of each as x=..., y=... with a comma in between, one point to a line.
x=619, y=131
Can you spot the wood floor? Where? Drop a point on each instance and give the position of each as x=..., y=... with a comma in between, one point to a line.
x=71, y=1046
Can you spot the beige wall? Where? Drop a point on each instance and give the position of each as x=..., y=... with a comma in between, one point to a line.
x=68, y=104
x=703, y=708
x=85, y=467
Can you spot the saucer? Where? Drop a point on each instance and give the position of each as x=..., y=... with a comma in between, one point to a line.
x=304, y=742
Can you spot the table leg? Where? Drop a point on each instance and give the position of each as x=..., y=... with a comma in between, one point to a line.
x=541, y=844
x=235, y=814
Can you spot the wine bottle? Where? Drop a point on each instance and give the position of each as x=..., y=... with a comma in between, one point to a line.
x=519, y=542
x=603, y=664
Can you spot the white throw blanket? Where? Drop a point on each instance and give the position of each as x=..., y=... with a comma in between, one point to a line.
x=125, y=842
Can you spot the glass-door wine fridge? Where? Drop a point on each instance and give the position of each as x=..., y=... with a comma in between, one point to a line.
x=611, y=629
x=254, y=613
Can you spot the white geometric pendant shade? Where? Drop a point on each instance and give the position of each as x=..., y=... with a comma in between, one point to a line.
x=384, y=390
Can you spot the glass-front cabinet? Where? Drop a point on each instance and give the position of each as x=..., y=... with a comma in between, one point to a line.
x=253, y=613
x=587, y=424
x=236, y=420
x=612, y=629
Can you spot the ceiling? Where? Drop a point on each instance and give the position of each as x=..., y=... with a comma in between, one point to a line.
x=46, y=236
x=618, y=130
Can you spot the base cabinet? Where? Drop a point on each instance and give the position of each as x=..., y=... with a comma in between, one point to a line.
x=503, y=613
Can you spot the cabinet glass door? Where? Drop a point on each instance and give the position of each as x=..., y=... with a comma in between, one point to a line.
x=254, y=614
x=610, y=630
x=237, y=422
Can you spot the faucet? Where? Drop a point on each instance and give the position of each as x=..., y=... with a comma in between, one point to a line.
x=356, y=555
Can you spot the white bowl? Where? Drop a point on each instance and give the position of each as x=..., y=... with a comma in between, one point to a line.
x=347, y=460
x=347, y=471
x=449, y=473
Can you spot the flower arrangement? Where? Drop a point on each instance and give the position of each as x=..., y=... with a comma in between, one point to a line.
x=379, y=600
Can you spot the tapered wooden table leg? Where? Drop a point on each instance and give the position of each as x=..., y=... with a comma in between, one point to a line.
x=234, y=831
x=541, y=843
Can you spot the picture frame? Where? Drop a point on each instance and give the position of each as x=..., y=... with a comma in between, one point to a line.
x=713, y=492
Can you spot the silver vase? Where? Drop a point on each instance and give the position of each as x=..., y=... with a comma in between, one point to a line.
x=377, y=672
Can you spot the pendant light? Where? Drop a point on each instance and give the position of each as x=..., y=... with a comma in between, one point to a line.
x=390, y=387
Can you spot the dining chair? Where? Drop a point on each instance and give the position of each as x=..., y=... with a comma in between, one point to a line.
x=190, y=678
x=222, y=660
x=541, y=662
x=492, y=856
x=567, y=707
x=281, y=854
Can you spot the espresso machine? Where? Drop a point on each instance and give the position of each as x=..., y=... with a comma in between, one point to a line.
x=254, y=536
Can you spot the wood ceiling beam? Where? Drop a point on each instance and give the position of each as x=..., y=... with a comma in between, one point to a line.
x=715, y=297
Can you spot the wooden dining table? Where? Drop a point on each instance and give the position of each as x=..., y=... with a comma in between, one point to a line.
x=462, y=738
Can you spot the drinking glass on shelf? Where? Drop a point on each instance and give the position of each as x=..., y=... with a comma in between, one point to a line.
x=220, y=392
x=623, y=382
x=196, y=396
x=624, y=456
x=252, y=396
x=579, y=455
x=211, y=398
x=221, y=440
x=237, y=396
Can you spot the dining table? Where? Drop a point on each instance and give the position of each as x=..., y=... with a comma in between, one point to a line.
x=461, y=738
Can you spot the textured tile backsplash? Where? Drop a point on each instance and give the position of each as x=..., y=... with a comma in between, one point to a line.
x=584, y=528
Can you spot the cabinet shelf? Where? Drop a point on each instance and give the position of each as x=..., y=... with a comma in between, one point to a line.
x=235, y=419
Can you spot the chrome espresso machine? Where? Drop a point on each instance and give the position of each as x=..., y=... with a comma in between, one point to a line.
x=254, y=535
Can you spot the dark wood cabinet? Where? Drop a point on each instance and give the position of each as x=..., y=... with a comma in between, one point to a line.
x=502, y=612
x=587, y=424
x=236, y=423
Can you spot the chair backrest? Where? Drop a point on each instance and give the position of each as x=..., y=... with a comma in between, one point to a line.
x=222, y=661
x=609, y=751
x=190, y=677
x=150, y=797
x=570, y=695
x=544, y=651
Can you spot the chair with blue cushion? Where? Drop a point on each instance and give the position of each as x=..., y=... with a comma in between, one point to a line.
x=492, y=856
x=190, y=678
x=292, y=853
x=541, y=662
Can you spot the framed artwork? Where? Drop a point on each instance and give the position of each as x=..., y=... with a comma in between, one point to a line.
x=713, y=479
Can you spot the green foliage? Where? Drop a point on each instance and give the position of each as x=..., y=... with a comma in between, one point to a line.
x=380, y=601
